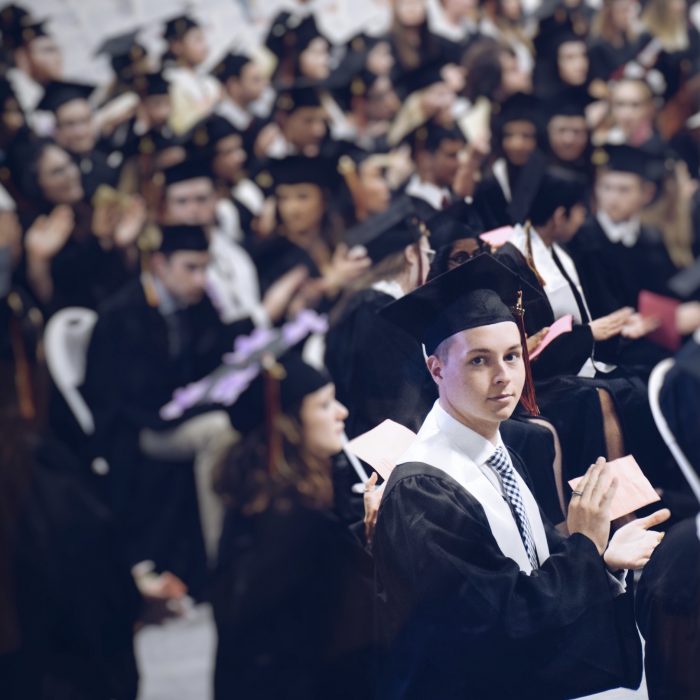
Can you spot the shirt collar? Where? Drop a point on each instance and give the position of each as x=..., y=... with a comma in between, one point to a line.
x=625, y=232
x=427, y=191
x=467, y=441
x=167, y=305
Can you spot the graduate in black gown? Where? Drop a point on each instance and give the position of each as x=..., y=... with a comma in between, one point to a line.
x=668, y=613
x=616, y=256
x=476, y=594
x=379, y=370
x=292, y=590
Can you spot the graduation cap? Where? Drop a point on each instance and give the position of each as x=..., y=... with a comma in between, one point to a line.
x=23, y=32
x=151, y=84
x=177, y=27
x=206, y=135
x=520, y=106
x=628, y=159
x=449, y=225
x=58, y=93
x=568, y=102
x=480, y=292
x=299, y=169
x=186, y=170
x=230, y=66
x=388, y=232
x=290, y=32
x=431, y=134
x=124, y=53
x=297, y=96
x=176, y=238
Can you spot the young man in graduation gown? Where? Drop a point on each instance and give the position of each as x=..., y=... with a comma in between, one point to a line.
x=158, y=334
x=477, y=596
x=616, y=256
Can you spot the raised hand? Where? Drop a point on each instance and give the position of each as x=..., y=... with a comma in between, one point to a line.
x=131, y=222
x=48, y=234
x=589, y=509
x=632, y=545
x=611, y=325
x=346, y=266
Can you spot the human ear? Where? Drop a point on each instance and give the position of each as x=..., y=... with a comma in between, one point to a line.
x=435, y=368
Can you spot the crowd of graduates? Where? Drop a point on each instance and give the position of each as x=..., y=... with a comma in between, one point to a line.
x=152, y=226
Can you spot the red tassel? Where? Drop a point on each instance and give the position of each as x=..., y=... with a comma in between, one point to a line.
x=528, y=398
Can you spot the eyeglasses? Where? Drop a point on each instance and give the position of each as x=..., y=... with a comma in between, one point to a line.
x=430, y=255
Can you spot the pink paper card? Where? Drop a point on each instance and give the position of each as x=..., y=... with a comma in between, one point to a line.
x=559, y=327
x=382, y=446
x=497, y=237
x=633, y=488
x=664, y=309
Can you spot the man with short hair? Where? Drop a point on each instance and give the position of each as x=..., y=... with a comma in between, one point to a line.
x=478, y=597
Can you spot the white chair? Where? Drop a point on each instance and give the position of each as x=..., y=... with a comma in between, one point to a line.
x=66, y=342
x=656, y=381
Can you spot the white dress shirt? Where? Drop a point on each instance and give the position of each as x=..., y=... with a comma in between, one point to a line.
x=455, y=449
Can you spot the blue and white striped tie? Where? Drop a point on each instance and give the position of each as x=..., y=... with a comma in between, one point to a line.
x=501, y=464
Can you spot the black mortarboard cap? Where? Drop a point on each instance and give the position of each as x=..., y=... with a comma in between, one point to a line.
x=151, y=84
x=628, y=159
x=519, y=107
x=431, y=134
x=23, y=31
x=11, y=18
x=177, y=27
x=174, y=238
x=481, y=292
x=568, y=102
x=187, y=170
x=58, y=93
x=290, y=32
x=300, y=95
x=230, y=66
x=298, y=169
x=449, y=225
x=124, y=53
x=297, y=380
x=208, y=133
x=388, y=232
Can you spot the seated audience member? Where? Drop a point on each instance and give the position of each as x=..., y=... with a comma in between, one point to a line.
x=468, y=576
x=303, y=630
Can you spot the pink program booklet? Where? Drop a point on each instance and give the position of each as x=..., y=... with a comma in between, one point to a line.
x=559, y=327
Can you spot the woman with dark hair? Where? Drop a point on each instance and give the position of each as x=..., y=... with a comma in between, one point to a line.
x=306, y=231
x=74, y=255
x=292, y=591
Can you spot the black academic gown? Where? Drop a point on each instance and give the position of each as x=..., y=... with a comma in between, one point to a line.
x=680, y=401
x=378, y=369
x=292, y=603
x=668, y=606
x=571, y=402
x=76, y=599
x=460, y=620
x=130, y=375
x=612, y=276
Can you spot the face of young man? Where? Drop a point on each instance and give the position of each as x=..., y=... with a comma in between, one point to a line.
x=568, y=137
x=42, y=60
x=190, y=202
x=632, y=106
x=481, y=376
x=446, y=162
x=75, y=129
x=519, y=141
x=305, y=129
x=622, y=196
x=252, y=82
x=183, y=274
x=572, y=62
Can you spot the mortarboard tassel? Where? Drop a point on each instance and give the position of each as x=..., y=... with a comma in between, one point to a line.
x=528, y=398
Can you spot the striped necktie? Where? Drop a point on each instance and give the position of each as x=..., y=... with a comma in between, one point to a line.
x=502, y=466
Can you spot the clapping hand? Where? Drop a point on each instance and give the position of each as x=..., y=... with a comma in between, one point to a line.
x=638, y=326
x=632, y=545
x=48, y=234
